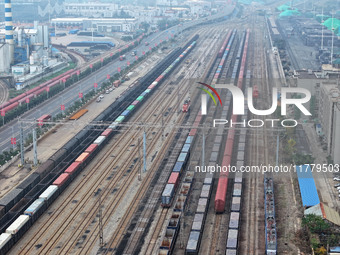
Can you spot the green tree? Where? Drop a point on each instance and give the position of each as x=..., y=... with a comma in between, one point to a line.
x=315, y=223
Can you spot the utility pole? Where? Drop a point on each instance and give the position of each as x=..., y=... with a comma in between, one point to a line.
x=35, y=160
x=101, y=236
x=203, y=147
x=332, y=38
x=144, y=149
x=22, y=149
x=322, y=29
x=139, y=156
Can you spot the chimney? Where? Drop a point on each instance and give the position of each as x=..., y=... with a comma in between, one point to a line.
x=9, y=29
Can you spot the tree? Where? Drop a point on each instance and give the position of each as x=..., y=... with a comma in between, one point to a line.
x=321, y=251
x=315, y=223
x=145, y=26
x=301, y=159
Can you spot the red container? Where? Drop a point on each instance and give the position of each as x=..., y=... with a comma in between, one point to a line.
x=174, y=178
x=135, y=102
x=83, y=157
x=61, y=179
x=159, y=78
x=107, y=132
x=91, y=148
x=221, y=193
x=72, y=168
x=193, y=132
x=151, y=86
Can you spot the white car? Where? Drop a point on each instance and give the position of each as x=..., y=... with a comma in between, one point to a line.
x=107, y=91
x=336, y=179
x=101, y=96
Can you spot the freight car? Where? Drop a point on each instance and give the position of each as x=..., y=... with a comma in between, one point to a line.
x=270, y=220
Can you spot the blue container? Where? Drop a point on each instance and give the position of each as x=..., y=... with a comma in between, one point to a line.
x=178, y=167
x=189, y=139
x=125, y=113
x=186, y=148
x=182, y=157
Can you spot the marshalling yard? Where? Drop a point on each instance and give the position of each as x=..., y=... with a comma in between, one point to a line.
x=123, y=179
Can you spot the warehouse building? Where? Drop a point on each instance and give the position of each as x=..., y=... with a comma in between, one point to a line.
x=103, y=25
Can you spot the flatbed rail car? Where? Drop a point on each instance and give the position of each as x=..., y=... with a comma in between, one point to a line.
x=48, y=174
x=78, y=114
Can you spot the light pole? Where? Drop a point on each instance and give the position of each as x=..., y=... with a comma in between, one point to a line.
x=332, y=38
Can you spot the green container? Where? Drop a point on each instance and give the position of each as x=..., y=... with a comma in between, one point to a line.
x=130, y=108
x=120, y=119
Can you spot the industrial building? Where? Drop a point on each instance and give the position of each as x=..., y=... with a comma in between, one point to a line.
x=88, y=47
x=329, y=117
x=25, y=52
x=324, y=87
x=103, y=25
x=91, y=9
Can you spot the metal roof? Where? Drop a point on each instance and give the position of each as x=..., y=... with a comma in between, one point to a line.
x=325, y=212
x=308, y=191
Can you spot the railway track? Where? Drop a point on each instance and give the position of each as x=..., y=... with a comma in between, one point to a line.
x=254, y=215
x=3, y=92
x=85, y=199
x=148, y=213
x=152, y=244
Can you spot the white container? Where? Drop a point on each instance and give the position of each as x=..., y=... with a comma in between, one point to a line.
x=99, y=140
x=17, y=224
x=4, y=238
x=48, y=193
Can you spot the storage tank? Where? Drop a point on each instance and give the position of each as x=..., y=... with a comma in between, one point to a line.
x=31, y=60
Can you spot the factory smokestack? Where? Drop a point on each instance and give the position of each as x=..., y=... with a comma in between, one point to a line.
x=9, y=28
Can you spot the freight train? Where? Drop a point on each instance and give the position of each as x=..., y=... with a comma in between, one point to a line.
x=221, y=192
x=196, y=232
x=270, y=222
x=40, y=189
x=25, y=97
x=169, y=193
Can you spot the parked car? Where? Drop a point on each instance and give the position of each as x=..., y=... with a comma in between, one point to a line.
x=337, y=185
x=336, y=179
x=101, y=96
x=107, y=91
x=98, y=100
